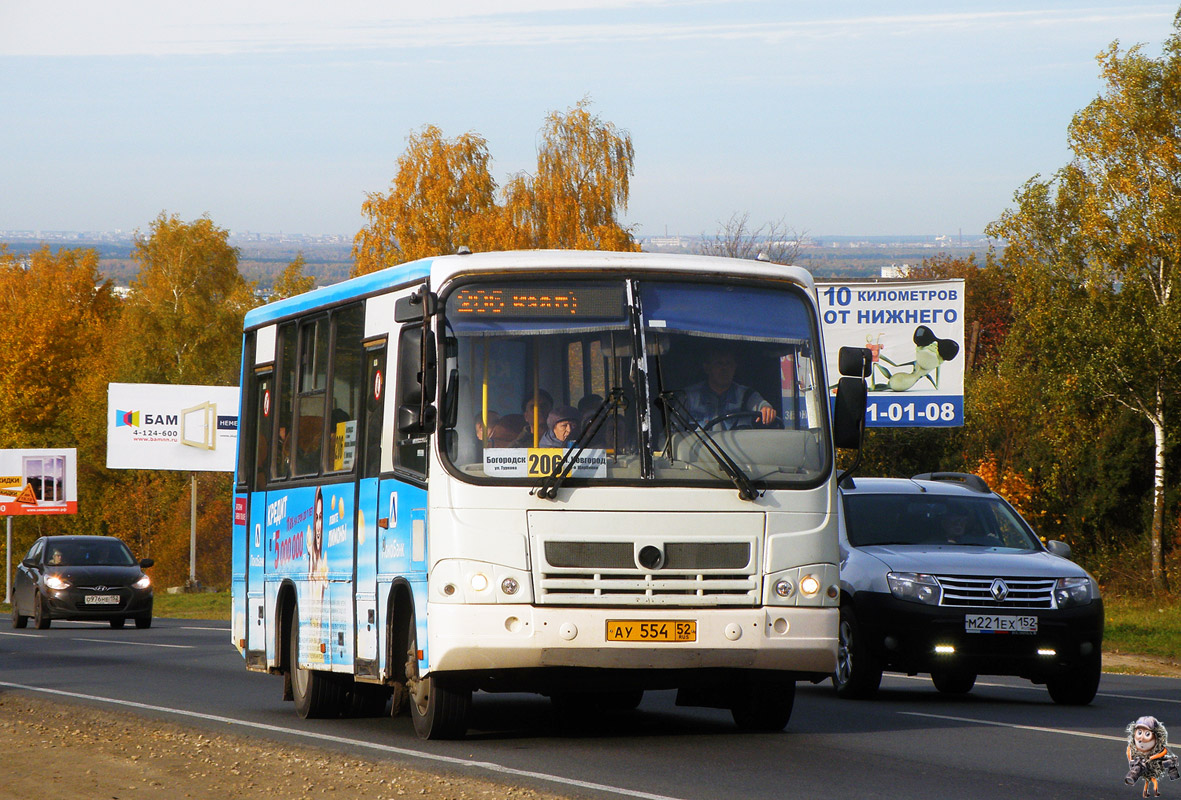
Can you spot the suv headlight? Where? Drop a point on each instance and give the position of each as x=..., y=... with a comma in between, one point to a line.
x=915, y=587
x=1073, y=592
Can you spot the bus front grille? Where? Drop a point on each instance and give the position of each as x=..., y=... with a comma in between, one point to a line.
x=608, y=573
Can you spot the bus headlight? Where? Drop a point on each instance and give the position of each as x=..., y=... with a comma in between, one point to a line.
x=509, y=585
x=456, y=580
x=809, y=585
x=784, y=588
x=479, y=582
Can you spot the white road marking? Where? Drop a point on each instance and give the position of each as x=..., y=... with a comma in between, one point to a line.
x=384, y=748
x=1034, y=688
x=194, y=628
x=7, y=633
x=134, y=644
x=1056, y=731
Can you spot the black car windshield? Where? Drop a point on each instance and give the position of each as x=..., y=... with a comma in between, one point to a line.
x=727, y=384
x=96, y=553
x=931, y=519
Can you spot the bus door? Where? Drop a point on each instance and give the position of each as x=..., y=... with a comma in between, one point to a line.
x=261, y=429
x=369, y=516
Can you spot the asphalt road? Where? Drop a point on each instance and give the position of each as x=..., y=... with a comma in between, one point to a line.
x=1005, y=739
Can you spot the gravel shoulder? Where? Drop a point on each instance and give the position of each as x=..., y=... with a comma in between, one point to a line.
x=60, y=749
x=53, y=748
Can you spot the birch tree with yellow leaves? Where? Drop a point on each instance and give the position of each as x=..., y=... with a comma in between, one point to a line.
x=1096, y=256
x=444, y=196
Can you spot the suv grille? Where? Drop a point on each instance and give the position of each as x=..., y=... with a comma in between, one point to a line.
x=977, y=592
x=606, y=573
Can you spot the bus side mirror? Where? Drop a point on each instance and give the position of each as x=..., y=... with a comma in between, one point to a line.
x=412, y=419
x=416, y=307
x=849, y=413
x=855, y=362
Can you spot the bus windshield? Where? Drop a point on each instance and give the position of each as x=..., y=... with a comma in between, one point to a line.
x=542, y=372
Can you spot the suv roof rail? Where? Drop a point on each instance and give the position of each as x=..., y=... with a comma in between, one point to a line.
x=973, y=482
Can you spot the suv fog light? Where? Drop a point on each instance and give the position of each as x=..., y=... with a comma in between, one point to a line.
x=944, y=649
x=1046, y=651
x=784, y=588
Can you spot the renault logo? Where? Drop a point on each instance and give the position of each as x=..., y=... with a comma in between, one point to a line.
x=999, y=590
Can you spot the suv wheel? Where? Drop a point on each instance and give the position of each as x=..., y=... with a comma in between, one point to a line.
x=1077, y=687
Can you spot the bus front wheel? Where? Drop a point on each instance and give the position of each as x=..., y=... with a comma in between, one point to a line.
x=763, y=705
x=439, y=711
x=316, y=694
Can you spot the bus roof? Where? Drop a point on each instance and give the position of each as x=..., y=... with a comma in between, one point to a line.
x=442, y=268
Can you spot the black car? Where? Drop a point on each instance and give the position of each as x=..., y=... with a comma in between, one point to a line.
x=81, y=578
x=940, y=575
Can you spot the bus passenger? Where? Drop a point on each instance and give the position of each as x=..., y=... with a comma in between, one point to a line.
x=562, y=428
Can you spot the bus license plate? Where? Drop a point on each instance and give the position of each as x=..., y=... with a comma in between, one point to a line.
x=101, y=600
x=633, y=630
x=991, y=623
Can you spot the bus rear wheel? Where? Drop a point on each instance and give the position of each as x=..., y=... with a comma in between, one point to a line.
x=317, y=694
x=438, y=710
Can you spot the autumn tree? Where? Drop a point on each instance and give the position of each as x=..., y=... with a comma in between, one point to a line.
x=292, y=280
x=60, y=310
x=581, y=186
x=1095, y=254
x=988, y=303
x=736, y=238
x=443, y=196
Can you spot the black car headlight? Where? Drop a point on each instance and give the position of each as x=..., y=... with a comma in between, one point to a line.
x=915, y=587
x=56, y=582
x=143, y=583
x=1073, y=592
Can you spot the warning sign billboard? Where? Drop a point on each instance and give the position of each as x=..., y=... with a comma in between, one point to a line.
x=34, y=482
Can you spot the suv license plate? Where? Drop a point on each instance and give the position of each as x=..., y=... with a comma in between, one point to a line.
x=665, y=630
x=992, y=623
x=101, y=600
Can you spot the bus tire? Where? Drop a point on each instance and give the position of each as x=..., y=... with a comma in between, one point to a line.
x=438, y=710
x=316, y=693
x=765, y=706
x=859, y=672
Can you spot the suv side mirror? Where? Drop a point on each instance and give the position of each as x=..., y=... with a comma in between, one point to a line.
x=1058, y=548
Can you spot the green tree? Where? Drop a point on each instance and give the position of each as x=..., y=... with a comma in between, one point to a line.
x=1095, y=254
x=292, y=280
x=183, y=320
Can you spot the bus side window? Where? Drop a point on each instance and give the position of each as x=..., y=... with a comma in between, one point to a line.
x=285, y=411
x=410, y=452
x=347, y=387
x=312, y=396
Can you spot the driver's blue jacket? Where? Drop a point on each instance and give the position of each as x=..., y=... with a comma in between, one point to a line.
x=705, y=405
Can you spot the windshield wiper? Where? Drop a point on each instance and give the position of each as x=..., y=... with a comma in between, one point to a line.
x=548, y=489
x=746, y=489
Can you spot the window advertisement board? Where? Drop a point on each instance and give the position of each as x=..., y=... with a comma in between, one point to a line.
x=915, y=331
x=37, y=482
x=159, y=426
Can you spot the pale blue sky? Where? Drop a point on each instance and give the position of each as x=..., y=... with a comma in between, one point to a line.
x=839, y=117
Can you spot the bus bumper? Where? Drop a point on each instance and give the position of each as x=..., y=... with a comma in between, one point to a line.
x=495, y=637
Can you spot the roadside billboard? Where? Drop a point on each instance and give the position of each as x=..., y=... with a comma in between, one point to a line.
x=915, y=330
x=161, y=426
x=38, y=482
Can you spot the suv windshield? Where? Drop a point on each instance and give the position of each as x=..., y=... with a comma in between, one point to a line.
x=931, y=519
x=728, y=390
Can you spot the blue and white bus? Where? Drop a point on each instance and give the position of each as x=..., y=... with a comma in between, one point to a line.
x=412, y=525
